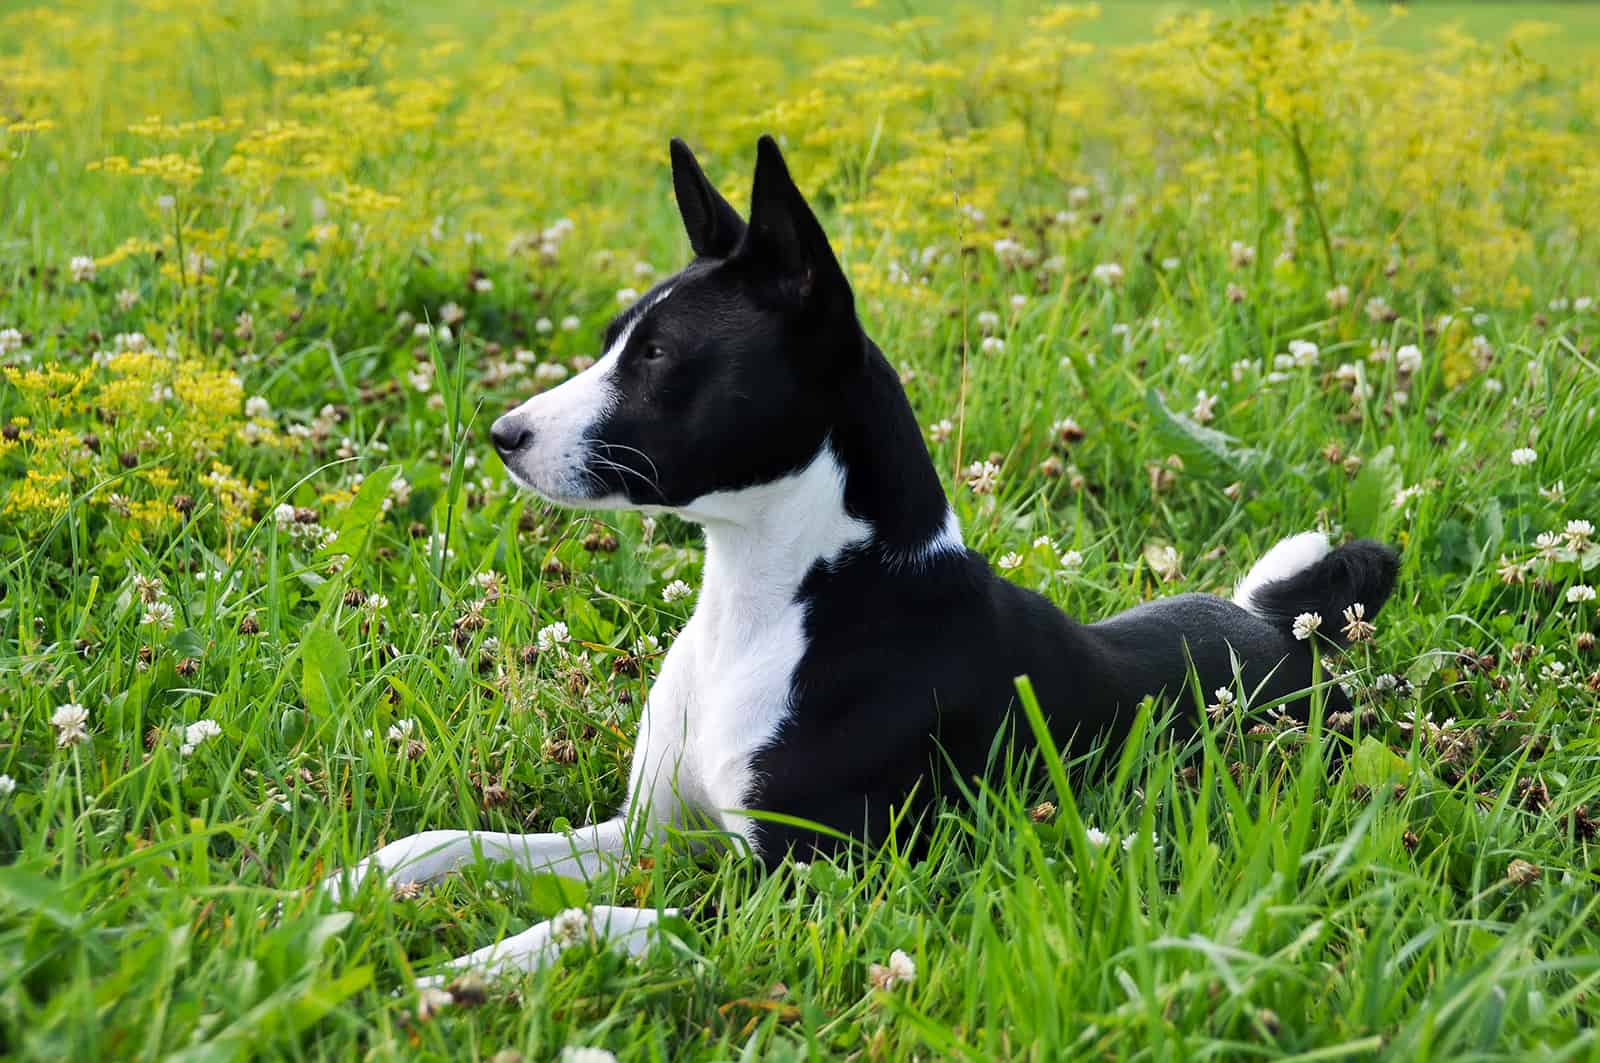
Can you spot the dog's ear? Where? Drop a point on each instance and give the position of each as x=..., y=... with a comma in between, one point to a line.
x=785, y=240
x=714, y=227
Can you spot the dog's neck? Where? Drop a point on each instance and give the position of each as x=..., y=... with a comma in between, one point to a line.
x=871, y=491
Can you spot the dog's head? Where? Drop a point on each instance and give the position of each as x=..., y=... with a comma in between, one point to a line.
x=723, y=376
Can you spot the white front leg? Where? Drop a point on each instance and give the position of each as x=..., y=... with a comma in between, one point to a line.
x=627, y=929
x=431, y=855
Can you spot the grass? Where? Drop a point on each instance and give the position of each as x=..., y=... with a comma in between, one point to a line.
x=1414, y=883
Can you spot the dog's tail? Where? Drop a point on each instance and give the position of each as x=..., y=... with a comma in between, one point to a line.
x=1302, y=574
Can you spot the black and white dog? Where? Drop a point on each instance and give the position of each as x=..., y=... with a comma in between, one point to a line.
x=847, y=650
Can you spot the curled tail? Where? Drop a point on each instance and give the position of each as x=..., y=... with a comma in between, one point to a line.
x=1302, y=574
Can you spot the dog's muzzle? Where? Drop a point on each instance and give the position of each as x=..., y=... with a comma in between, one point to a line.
x=510, y=433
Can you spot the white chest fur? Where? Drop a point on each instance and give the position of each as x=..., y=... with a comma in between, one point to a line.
x=725, y=688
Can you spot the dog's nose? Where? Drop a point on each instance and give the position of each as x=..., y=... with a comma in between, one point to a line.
x=509, y=434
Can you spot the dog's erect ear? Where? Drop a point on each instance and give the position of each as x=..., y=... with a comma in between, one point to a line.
x=785, y=239
x=714, y=227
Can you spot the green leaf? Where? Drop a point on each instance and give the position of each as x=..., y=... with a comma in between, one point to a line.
x=357, y=520
x=1371, y=497
x=1204, y=451
x=324, y=671
x=551, y=895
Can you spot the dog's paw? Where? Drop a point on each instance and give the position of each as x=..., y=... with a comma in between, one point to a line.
x=406, y=865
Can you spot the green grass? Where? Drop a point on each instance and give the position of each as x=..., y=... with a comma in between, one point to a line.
x=1334, y=890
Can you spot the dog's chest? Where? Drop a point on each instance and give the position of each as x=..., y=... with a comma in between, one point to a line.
x=722, y=696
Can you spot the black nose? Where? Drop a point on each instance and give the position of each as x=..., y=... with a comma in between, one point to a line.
x=508, y=434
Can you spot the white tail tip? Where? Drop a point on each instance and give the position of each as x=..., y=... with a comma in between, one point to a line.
x=1289, y=557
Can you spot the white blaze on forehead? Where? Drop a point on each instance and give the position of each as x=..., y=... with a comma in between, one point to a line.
x=561, y=419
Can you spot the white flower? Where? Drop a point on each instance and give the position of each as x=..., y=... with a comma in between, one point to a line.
x=10, y=340
x=1578, y=534
x=483, y=284
x=983, y=477
x=71, y=722
x=1096, y=836
x=544, y=326
x=940, y=431
x=1133, y=839
x=451, y=313
x=1305, y=625
x=401, y=730
x=570, y=323
x=197, y=733
x=900, y=970
x=1580, y=593
x=1071, y=560
x=83, y=268
x=1408, y=359
x=676, y=591
x=1042, y=542
x=569, y=927
x=1406, y=494
x=627, y=296
x=1304, y=352
x=1205, y=406
x=1547, y=543
x=992, y=345
x=1241, y=254
x=1019, y=301
x=8, y=786
x=1171, y=263
x=283, y=516
x=158, y=613
x=1108, y=273
x=1357, y=628
x=1524, y=456
x=1011, y=561
x=550, y=372
x=127, y=299
x=1338, y=297
x=586, y=1054
x=1556, y=492
x=551, y=636
x=257, y=406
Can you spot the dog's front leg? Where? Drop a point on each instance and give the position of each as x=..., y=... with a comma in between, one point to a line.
x=626, y=929
x=433, y=854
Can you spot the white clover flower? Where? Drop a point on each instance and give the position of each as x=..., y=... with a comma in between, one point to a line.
x=569, y=927
x=483, y=284
x=8, y=785
x=627, y=296
x=127, y=299
x=992, y=345
x=1408, y=359
x=257, y=406
x=983, y=477
x=900, y=970
x=551, y=636
x=431, y=1001
x=1305, y=625
x=1097, y=837
x=1304, y=352
x=159, y=614
x=544, y=326
x=988, y=320
x=1108, y=273
x=71, y=722
x=83, y=268
x=675, y=591
x=1018, y=301
x=1042, y=542
x=941, y=430
x=550, y=372
x=10, y=340
x=196, y=734
x=1578, y=533
x=587, y=1054
x=1205, y=406
x=1338, y=297
x=1547, y=543
x=1580, y=593
x=1133, y=839
x=1357, y=628
x=646, y=645
x=570, y=323
x=1241, y=254
x=451, y=314
x=1071, y=560
x=401, y=730
x=1010, y=561
x=1171, y=263
x=1406, y=494
x=1524, y=456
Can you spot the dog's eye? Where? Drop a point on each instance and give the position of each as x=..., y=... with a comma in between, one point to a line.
x=652, y=351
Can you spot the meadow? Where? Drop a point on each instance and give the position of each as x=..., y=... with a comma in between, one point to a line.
x=1165, y=284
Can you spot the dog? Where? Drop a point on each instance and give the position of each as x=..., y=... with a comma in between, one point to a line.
x=847, y=652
